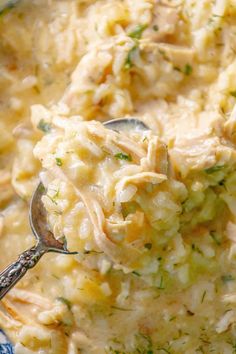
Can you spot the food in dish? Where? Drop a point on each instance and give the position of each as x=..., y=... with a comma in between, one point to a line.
x=152, y=214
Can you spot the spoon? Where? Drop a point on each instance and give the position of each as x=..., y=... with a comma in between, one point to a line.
x=38, y=222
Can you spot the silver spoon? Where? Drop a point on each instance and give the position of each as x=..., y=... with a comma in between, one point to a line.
x=38, y=222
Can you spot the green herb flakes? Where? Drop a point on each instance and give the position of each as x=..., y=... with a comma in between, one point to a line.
x=172, y=318
x=188, y=69
x=227, y=277
x=64, y=301
x=163, y=53
x=44, y=126
x=190, y=313
x=148, y=246
x=161, y=285
x=129, y=60
x=122, y=156
x=137, y=32
x=92, y=252
x=54, y=197
x=55, y=276
x=67, y=322
x=120, y=308
x=233, y=93
x=58, y=161
x=213, y=169
x=216, y=237
x=203, y=296
x=196, y=249
x=155, y=28
x=222, y=182
x=176, y=68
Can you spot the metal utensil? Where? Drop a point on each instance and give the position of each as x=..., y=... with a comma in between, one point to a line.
x=38, y=222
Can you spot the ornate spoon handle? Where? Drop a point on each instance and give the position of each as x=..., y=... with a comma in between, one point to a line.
x=15, y=271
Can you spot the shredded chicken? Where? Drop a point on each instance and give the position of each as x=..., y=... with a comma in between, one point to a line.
x=177, y=54
x=29, y=298
x=146, y=157
x=8, y=317
x=120, y=140
x=143, y=177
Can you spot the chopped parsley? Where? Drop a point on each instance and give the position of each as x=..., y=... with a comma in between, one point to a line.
x=161, y=285
x=190, y=313
x=196, y=249
x=137, y=32
x=129, y=60
x=234, y=346
x=227, y=277
x=58, y=161
x=145, y=342
x=213, y=18
x=172, y=318
x=64, y=301
x=188, y=69
x=176, y=68
x=163, y=53
x=136, y=273
x=55, y=276
x=67, y=322
x=155, y=28
x=213, y=169
x=148, y=246
x=54, y=197
x=216, y=238
x=122, y=156
x=222, y=182
x=44, y=126
x=203, y=296
x=92, y=251
x=120, y=308
x=233, y=93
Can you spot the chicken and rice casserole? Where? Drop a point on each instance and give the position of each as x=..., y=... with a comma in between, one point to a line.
x=152, y=214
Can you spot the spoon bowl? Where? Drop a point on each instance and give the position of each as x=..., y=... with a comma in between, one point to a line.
x=39, y=226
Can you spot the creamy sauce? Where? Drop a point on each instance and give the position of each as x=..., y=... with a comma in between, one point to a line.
x=172, y=65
